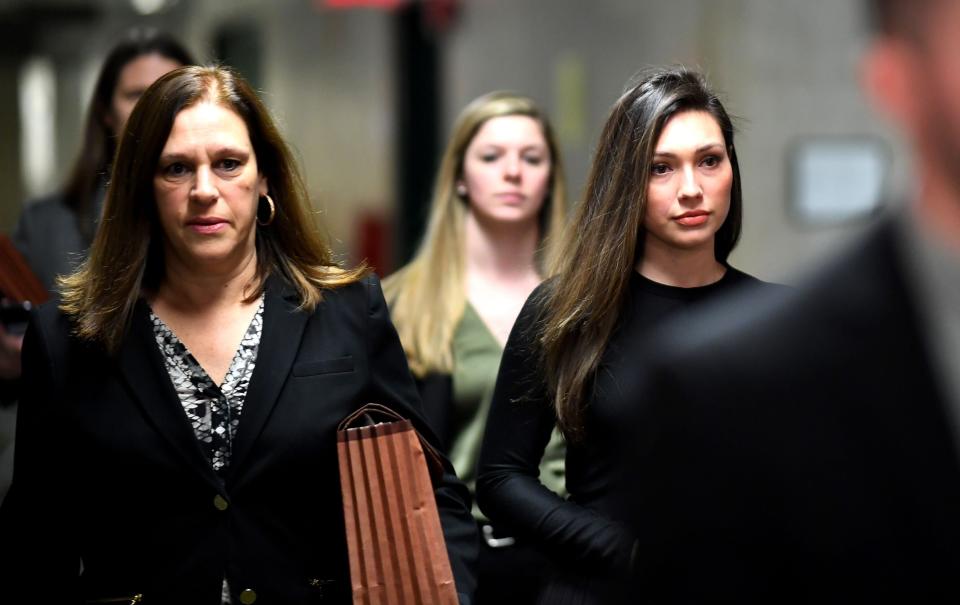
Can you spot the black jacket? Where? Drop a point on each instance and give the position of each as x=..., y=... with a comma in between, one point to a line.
x=109, y=472
x=796, y=448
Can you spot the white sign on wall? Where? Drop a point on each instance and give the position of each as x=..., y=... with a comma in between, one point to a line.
x=837, y=179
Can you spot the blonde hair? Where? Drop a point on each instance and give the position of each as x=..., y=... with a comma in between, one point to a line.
x=427, y=297
x=126, y=257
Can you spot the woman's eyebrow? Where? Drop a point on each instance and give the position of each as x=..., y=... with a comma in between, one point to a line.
x=700, y=149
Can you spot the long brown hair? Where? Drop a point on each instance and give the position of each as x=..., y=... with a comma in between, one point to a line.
x=428, y=296
x=126, y=257
x=604, y=241
x=90, y=170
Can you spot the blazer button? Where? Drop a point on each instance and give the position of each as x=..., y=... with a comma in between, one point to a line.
x=221, y=504
x=248, y=597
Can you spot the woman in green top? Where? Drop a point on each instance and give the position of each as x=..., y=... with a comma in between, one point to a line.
x=498, y=207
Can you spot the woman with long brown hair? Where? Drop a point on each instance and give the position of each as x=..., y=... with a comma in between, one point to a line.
x=177, y=435
x=661, y=213
x=498, y=209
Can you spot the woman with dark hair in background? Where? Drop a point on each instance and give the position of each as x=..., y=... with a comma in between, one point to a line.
x=54, y=232
x=497, y=213
x=177, y=438
x=661, y=214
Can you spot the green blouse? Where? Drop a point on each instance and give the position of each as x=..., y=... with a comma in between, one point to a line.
x=476, y=360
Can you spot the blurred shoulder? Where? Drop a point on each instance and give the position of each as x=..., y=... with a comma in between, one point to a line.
x=46, y=209
x=740, y=279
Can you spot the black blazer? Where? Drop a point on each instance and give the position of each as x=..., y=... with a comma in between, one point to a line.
x=109, y=477
x=798, y=449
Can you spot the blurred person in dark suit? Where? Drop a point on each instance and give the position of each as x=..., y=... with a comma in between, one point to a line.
x=176, y=440
x=802, y=446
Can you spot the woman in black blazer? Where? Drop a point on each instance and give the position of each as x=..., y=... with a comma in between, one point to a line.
x=177, y=438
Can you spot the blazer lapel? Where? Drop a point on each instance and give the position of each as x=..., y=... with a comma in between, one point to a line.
x=283, y=326
x=142, y=366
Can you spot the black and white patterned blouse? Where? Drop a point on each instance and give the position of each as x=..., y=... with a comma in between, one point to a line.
x=214, y=412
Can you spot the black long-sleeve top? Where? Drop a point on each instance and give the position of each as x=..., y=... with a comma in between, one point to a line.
x=584, y=533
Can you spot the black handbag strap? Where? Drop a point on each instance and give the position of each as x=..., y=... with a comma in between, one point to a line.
x=374, y=413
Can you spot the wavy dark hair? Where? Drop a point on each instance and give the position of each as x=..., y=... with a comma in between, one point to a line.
x=604, y=241
x=92, y=165
x=126, y=258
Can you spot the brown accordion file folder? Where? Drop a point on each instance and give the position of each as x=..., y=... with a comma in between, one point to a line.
x=395, y=543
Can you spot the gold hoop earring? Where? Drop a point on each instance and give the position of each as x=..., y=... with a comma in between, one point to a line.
x=273, y=212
